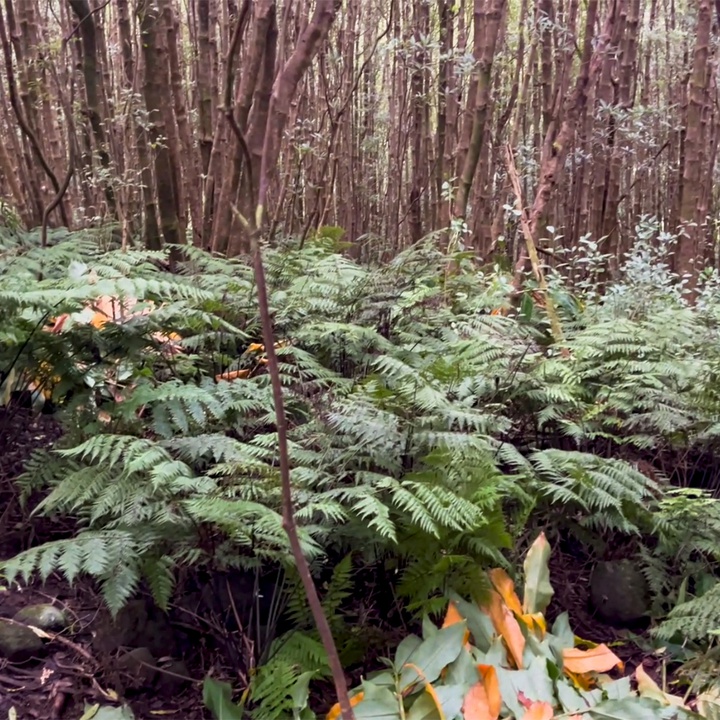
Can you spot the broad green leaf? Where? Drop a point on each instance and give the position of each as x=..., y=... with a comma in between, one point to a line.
x=479, y=624
x=374, y=710
x=405, y=649
x=217, y=697
x=451, y=698
x=534, y=683
x=423, y=708
x=495, y=656
x=372, y=691
x=570, y=699
x=617, y=689
x=462, y=671
x=592, y=697
x=90, y=712
x=107, y=712
x=634, y=708
x=301, y=692
x=537, y=648
x=538, y=590
x=378, y=680
x=382, y=706
x=561, y=636
x=432, y=656
x=429, y=628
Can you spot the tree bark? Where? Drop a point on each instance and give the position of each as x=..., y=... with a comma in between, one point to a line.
x=690, y=246
x=91, y=75
x=156, y=90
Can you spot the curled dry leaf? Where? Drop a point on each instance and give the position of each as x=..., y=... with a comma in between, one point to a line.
x=647, y=687
x=598, y=659
x=507, y=627
x=503, y=583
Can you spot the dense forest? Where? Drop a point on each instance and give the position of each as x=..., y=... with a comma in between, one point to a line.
x=359, y=359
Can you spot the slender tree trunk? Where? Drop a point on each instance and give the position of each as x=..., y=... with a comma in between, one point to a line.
x=151, y=228
x=690, y=247
x=91, y=75
x=487, y=18
x=156, y=90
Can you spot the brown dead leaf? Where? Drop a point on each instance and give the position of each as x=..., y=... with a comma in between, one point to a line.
x=503, y=583
x=507, y=627
x=598, y=659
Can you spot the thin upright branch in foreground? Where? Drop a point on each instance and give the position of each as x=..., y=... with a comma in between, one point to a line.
x=288, y=513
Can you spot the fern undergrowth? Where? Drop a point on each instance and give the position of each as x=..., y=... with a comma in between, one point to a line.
x=426, y=432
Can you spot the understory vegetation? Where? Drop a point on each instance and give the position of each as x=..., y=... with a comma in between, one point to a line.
x=436, y=429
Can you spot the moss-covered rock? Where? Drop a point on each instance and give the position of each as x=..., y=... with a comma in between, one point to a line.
x=43, y=616
x=18, y=643
x=619, y=592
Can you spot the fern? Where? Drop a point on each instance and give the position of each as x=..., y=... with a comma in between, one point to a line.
x=423, y=430
x=298, y=656
x=696, y=619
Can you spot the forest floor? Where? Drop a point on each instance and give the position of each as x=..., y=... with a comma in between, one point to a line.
x=71, y=674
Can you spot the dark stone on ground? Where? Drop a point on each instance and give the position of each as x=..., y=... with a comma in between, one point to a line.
x=43, y=616
x=137, y=668
x=169, y=682
x=138, y=624
x=619, y=592
x=18, y=643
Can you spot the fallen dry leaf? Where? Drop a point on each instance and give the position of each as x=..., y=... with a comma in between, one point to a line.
x=507, y=627
x=598, y=659
x=506, y=587
x=334, y=712
x=476, y=705
x=452, y=617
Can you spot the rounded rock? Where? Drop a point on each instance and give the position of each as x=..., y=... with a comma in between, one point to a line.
x=619, y=592
x=43, y=616
x=18, y=643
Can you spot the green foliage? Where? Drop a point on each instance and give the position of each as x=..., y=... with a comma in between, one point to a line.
x=280, y=686
x=694, y=619
x=426, y=434
x=217, y=697
x=485, y=663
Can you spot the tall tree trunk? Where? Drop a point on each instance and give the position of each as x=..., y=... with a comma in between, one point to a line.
x=419, y=107
x=690, y=246
x=91, y=76
x=156, y=90
x=151, y=228
x=205, y=90
x=487, y=16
